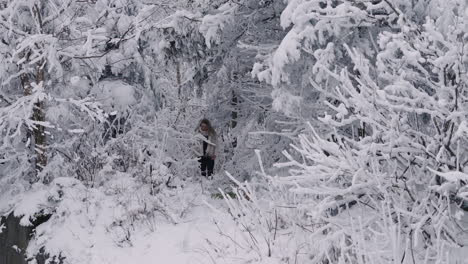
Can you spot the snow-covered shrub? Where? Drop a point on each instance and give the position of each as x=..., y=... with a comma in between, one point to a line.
x=387, y=184
x=83, y=217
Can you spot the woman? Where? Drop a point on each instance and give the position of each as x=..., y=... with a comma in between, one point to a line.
x=208, y=145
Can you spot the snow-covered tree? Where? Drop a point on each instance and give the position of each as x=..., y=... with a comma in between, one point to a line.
x=387, y=183
x=347, y=117
x=36, y=60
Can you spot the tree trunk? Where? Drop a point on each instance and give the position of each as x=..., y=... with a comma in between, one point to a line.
x=37, y=135
x=234, y=113
x=179, y=81
x=39, y=132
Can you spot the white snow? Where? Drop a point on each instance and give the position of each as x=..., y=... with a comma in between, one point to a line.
x=452, y=176
x=114, y=95
x=286, y=102
x=381, y=84
x=74, y=80
x=92, y=227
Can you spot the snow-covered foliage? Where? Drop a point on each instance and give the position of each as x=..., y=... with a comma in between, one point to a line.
x=388, y=182
x=346, y=119
x=78, y=100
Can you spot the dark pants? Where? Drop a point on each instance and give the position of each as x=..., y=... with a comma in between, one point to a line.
x=206, y=165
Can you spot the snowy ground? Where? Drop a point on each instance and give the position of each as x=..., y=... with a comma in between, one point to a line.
x=94, y=225
x=99, y=225
x=182, y=243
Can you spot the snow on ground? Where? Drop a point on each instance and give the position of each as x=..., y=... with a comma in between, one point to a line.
x=119, y=223
x=182, y=243
x=105, y=225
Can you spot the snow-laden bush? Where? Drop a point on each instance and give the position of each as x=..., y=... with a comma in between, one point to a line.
x=111, y=184
x=388, y=184
x=84, y=218
x=114, y=179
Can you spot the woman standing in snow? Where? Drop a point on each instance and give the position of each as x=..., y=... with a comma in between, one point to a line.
x=208, y=145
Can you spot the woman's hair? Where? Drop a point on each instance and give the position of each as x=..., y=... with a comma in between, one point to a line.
x=208, y=124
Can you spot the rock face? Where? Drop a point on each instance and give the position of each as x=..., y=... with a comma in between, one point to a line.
x=14, y=240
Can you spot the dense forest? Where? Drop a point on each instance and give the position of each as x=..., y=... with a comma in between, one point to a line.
x=341, y=131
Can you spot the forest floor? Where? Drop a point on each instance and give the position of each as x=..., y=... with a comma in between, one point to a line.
x=180, y=243
x=191, y=238
x=115, y=223
x=185, y=242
